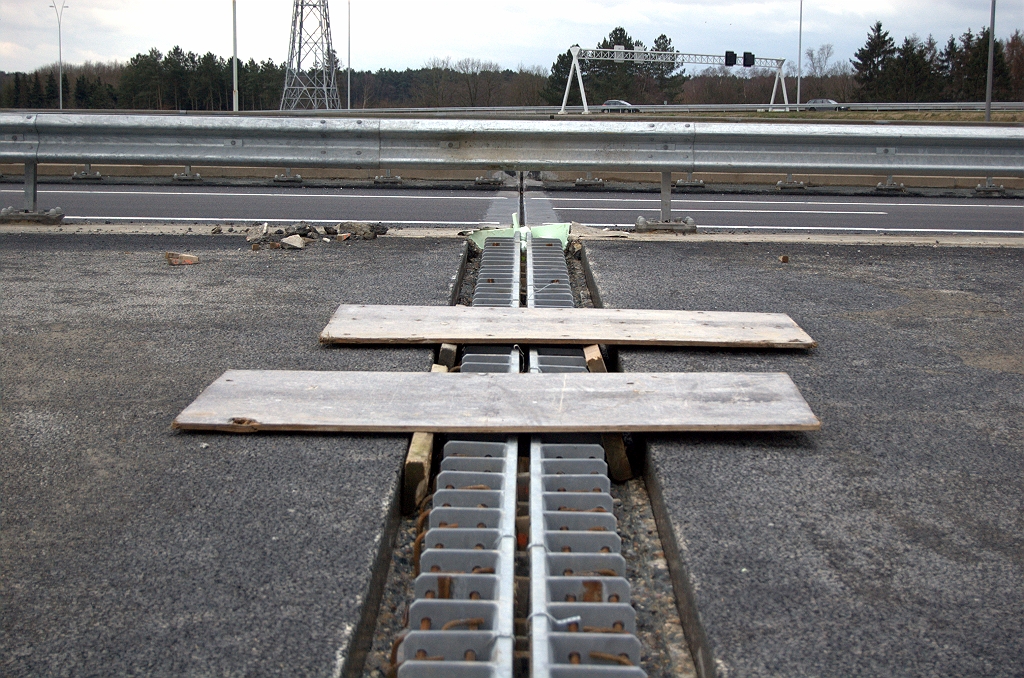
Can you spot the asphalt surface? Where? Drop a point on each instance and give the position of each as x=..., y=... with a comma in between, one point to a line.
x=469, y=208
x=129, y=548
x=891, y=542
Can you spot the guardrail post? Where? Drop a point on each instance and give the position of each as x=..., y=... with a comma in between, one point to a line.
x=31, y=196
x=666, y=196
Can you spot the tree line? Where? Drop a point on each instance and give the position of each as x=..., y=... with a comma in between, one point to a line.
x=881, y=71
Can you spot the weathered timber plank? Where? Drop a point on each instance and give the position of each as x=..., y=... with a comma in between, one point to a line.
x=360, y=324
x=418, y=461
x=619, y=468
x=253, y=400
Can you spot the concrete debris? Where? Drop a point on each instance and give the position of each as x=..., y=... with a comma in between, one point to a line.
x=258, y=233
x=215, y=230
x=330, y=230
x=301, y=228
x=684, y=225
x=294, y=242
x=363, y=230
x=177, y=259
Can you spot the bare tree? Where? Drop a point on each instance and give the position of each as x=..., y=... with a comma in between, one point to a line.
x=817, y=61
x=438, y=82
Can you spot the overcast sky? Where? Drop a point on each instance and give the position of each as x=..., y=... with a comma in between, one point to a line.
x=398, y=34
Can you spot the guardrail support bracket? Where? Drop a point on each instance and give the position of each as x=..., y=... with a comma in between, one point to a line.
x=890, y=186
x=790, y=184
x=989, y=188
x=690, y=183
x=87, y=174
x=188, y=175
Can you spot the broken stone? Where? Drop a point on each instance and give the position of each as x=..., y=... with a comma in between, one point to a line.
x=177, y=259
x=216, y=229
x=294, y=242
x=257, y=233
x=784, y=259
x=279, y=231
x=364, y=230
x=330, y=230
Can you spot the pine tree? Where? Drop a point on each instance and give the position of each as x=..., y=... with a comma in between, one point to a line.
x=36, y=97
x=51, y=91
x=870, y=61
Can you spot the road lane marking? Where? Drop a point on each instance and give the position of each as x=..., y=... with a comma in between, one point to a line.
x=786, y=202
x=193, y=194
x=733, y=211
x=249, y=220
x=879, y=229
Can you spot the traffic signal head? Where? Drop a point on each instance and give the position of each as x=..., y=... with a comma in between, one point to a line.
x=730, y=58
x=748, y=59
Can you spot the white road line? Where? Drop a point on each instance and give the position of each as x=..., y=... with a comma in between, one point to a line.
x=735, y=211
x=826, y=228
x=244, y=220
x=785, y=202
x=194, y=194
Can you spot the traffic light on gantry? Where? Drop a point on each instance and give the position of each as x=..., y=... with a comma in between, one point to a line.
x=748, y=59
x=730, y=58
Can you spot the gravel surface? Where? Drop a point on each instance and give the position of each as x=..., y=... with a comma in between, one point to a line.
x=130, y=548
x=888, y=543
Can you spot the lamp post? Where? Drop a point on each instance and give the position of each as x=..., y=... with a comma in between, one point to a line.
x=60, y=53
x=800, y=55
x=349, y=88
x=234, y=60
x=991, y=59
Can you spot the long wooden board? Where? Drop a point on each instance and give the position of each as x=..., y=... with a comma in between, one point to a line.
x=357, y=324
x=253, y=400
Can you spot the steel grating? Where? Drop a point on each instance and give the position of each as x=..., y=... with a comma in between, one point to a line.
x=581, y=620
x=462, y=622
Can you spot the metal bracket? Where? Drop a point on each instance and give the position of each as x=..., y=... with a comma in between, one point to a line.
x=288, y=177
x=989, y=188
x=87, y=174
x=789, y=184
x=187, y=175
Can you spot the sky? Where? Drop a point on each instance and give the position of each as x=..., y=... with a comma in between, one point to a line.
x=398, y=34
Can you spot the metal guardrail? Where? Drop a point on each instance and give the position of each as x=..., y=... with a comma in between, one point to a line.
x=367, y=143
x=562, y=144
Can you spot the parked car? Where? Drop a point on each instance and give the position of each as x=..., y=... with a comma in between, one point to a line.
x=825, y=105
x=618, y=106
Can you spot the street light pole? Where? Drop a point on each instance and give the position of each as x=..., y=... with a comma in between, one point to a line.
x=991, y=59
x=60, y=54
x=234, y=61
x=800, y=55
x=349, y=88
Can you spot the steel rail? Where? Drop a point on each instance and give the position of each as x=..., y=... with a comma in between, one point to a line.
x=646, y=146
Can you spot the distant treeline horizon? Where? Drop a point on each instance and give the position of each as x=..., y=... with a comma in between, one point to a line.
x=881, y=71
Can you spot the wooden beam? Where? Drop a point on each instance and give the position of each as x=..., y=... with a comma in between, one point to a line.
x=356, y=324
x=418, y=465
x=254, y=400
x=619, y=468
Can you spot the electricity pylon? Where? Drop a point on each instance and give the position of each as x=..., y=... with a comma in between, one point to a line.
x=309, y=79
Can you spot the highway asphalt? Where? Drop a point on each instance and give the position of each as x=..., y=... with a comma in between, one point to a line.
x=890, y=542
x=469, y=208
x=128, y=548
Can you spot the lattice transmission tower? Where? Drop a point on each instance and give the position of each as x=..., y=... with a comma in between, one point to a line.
x=309, y=80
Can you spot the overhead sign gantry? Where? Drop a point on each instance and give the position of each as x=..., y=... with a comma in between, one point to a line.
x=620, y=54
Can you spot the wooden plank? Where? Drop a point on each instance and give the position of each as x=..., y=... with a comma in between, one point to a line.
x=357, y=324
x=254, y=400
x=418, y=462
x=619, y=468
